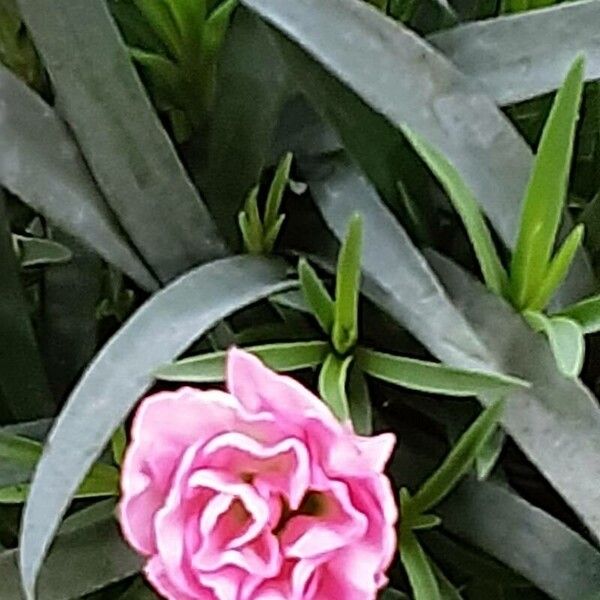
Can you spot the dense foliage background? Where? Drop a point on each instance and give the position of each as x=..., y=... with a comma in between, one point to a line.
x=144, y=140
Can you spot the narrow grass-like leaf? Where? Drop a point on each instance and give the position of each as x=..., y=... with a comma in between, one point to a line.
x=420, y=572
x=164, y=75
x=490, y=452
x=347, y=289
x=251, y=225
x=118, y=444
x=120, y=134
x=272, y=234
x=432, y=377
x=421, y=522
x=216, y=25
x=121, y=373
x=557, y=270
x=545, y=196
x=19, y=449
x=158, y=14
x=288, y=356
x=332, y=385
x=293, y=299
x=316, y=296
x=102, y=480
x=275, y=195
x=566, y=340
x=58, y=184
x=539, y=41
x=586, y=313
x=466, y=206
x=458, y=462
x=35, y=252
x=359, y=401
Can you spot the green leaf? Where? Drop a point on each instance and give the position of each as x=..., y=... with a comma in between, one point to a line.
x=112, y=385
x=101, y=482
x=19, y=449
x=558, y=269
x=332, y=385
x=92, y=547
x=425, y=522
x=120, y=135
x=419, y=569
x=566, y=340
x=118, y=444
x=432, y=377
x=290, y=356
x=165, y=78
x=466, y=206
x=545, y=196
x=541, y=548
x=294, y=299
x=251, y=224
x=160, y=17
x=275, y=196
x=35, y=252
x=586, y=313
x=347, y=288
x=316, y=296
x=490, y=452
x=458, y=462
x=217, y=25
x=23, y=381
x=488, y=50
x=57, y=184
x=273, y=233
x=359, y=401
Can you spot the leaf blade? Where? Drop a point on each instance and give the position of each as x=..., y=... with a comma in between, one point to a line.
x=209, y=368
x=466, y=206
x=332, y=385
x=546, y=190
x=586, y=313
x=316, y=296
x=347, y=288
x=437, y=378
x=418, y=568
x=458, y=461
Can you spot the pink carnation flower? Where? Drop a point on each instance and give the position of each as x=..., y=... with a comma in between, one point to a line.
x=256, y=494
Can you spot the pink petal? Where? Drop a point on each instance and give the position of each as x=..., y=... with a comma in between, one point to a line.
x=259, y=388
x=336, y=525
x=164, y=426
x=282, y=468
x=159, y=580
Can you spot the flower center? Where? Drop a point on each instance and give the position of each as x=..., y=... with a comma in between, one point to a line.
x=314, y=504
